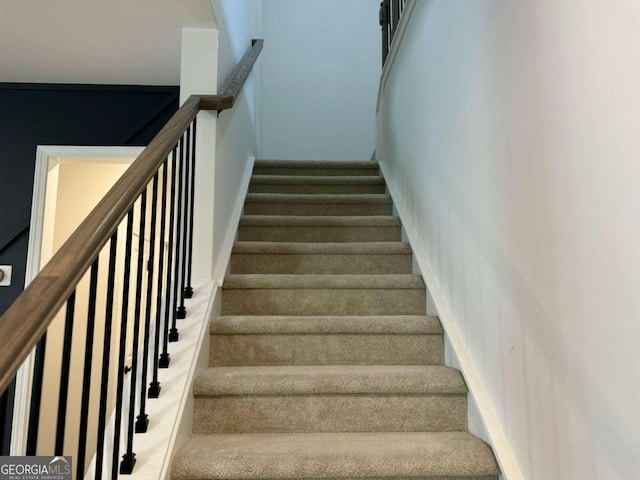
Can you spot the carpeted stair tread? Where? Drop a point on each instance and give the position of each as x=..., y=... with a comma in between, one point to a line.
x=428, y=455
x=333, y=294
x=326, y=198
x=319, y=221
x=318, y=203
x=334, y=248
x=313, y=325
x=317, y=180
x=328, y=379
x=395, y=282
x=357, y=258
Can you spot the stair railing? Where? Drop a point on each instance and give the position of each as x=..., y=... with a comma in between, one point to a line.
x=148, y=278
x=390, y=11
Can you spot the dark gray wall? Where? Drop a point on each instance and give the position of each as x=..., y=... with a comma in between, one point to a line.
x=32, y=115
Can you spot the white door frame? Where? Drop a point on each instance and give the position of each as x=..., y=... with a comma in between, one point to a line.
x=48, y=156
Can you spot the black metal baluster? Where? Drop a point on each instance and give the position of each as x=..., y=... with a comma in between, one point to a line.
x=188, y=291
x=384, y=24
x=106, y=352
x=154, y=386
x=86, y=381
x=129, y=458
x=182, y=311
x=36, y=396
x=395, y=17
x=64, y=375
x=142, y=422
x=169, y=313
x=6, y=417
x=176, y=274
x=136, y=323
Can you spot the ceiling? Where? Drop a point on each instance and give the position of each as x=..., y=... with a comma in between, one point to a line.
x=134, y=42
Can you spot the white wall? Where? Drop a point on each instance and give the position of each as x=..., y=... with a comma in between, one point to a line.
x=511, y=130
x=320, y=73
x=236, y=138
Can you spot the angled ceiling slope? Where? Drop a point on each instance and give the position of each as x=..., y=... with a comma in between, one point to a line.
x=91, y=41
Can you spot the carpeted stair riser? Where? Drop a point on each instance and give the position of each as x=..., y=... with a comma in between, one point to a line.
x=328, y=209
x=329, y=399
x=325, y=349
x=315, y=325
x=321, y=258
x=317, y=185
x=323, y=302
x=316, y=188
x=340, y=456
x=330, y=413
x=320, y=264
x=303, y=233
x=274, y=228
x=279, y=167
x=317, y=204
x=325, y=340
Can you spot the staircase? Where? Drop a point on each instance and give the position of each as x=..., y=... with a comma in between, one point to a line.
x=324, y=363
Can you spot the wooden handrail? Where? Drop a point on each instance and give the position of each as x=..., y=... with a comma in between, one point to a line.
x=241, y=73
x=28, y=318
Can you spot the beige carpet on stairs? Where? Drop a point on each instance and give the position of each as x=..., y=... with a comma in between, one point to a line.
x=324, y=363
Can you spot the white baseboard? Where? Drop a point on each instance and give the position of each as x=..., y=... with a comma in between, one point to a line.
x=182, y=426
x=497, y=439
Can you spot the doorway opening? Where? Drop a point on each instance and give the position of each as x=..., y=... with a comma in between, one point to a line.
x=69, y=182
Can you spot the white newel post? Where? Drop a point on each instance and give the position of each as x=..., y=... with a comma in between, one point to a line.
x=199, y=75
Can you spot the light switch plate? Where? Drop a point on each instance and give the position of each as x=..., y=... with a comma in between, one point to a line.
x=6, y=270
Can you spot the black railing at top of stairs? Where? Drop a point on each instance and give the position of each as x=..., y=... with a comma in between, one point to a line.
x=390, y=12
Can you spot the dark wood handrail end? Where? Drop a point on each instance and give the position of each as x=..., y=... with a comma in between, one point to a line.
x=216, y=102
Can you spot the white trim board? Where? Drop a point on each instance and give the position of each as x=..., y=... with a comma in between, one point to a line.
x=199, y=345
x=222, y=264
x=47, y=156
x=504, y=454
